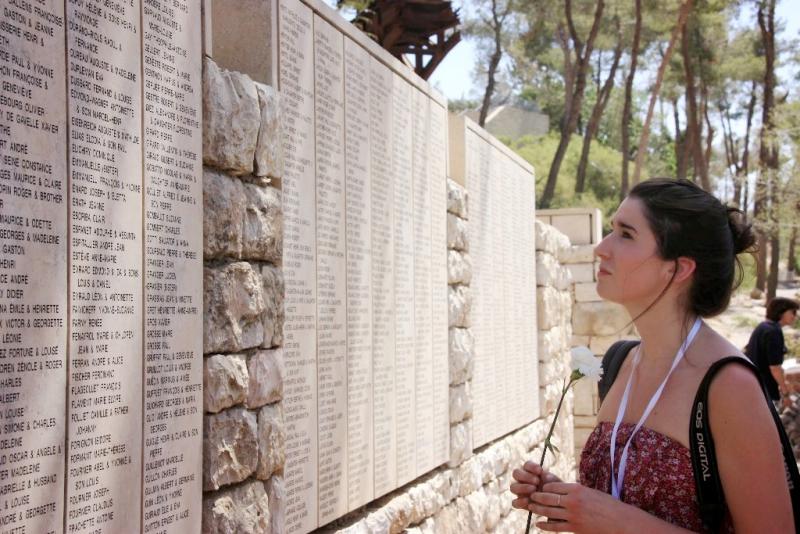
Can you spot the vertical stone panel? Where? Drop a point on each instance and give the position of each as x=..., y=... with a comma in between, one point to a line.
x=33, y=266
x=439, y=336
x=403, y=202
x=105, y=373
x=383, y=311
x=296, y=78
x=423, y=364
x=360, y=476
x=331, y=271
x=173, y=267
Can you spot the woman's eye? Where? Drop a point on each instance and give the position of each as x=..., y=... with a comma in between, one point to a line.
x=626, y=235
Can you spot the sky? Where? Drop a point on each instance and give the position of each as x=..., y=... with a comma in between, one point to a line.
x=453, y=77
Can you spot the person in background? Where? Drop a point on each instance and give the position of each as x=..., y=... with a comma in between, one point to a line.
x=766, y=347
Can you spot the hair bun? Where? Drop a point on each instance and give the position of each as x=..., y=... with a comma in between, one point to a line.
x=744, y=239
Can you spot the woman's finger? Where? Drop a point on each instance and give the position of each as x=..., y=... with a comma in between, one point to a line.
x=557, y=487
x=521, y=502
x=525, y=477
x=551, y=512
x=533, y=468
x=555, y=526
x=523, y=489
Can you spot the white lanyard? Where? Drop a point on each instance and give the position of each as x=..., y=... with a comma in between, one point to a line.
x=616, y=488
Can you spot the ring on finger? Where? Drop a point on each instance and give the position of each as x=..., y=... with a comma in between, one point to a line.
x=558, y=501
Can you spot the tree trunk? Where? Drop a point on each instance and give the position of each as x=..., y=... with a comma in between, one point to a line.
x=574, y=97
x=693, y=120
x=775, y=254
x=791, y=263
x=628, y=104
x=494, y=62
x=594, y=120
x=767, y=154
x=683, y=14
x=745, y=169
x=681, y=158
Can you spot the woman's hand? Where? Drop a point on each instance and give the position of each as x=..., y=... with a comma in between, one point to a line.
x=529, y=479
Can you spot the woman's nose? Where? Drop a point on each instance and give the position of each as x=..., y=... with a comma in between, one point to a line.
x=601, y=249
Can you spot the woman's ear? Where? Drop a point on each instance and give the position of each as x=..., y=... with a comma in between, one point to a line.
x=684, y=269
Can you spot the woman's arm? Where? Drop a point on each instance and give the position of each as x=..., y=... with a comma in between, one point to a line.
x=749, y=454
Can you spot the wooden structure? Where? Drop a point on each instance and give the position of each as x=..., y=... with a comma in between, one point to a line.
x=426, y=30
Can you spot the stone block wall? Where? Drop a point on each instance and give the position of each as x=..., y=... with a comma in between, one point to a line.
x=596, y=324
x=471, y=494
x=461, y=343
x=243, y=371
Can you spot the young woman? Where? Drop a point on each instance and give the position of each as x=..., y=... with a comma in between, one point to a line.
x=671, y=261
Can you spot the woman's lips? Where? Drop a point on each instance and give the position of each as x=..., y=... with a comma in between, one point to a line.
x=602, y=272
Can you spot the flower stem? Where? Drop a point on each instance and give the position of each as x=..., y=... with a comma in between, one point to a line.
x=547, y=440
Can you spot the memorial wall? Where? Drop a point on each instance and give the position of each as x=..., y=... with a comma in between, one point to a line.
x=501, y=230
x=366, y=386
x=100, y=272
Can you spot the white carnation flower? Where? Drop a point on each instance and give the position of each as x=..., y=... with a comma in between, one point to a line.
x=585, y=364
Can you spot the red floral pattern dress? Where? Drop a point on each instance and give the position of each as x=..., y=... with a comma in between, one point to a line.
x=658, y=476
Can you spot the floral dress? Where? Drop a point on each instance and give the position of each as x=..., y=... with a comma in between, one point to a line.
x=658, y=477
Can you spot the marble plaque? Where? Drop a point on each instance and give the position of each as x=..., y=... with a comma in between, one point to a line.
x=403, y=211
x=296, y=83
x=423, y=364
x=173, y=399
x=331, y=271
x=105, y=368
x=33, y=266
x=505, y=383
x=437, y=168
x=360, y=476
x=383, y=310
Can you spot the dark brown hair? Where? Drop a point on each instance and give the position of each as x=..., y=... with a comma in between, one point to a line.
x=778, y=307
x=691, y=222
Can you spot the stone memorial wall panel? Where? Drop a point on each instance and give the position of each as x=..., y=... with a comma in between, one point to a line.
x=105, y=362
x=360, y=476
x=505, y=382
x=383, y=312
x=439, y=332
x=173, y=267
x=33, y=266
x=331, y=271
x=403, y=210
x=423, y=364
x=296, y=82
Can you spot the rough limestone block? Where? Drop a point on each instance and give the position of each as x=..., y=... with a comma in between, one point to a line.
x=582, y=272
x=269, y=154
x=600, y=344
x=549, y=239
x=584, y=398
x=224, y=381
x=262, y=235
x=548, y=308
x=580, y=341
x=549, y=373
x=231, y=119
x=233, y=303
x=242, y=509
x=599, y=319
x=457, y=199
x=273, y=302
x=266, y=371
x=470, y=476
x=459, y=305
x=457, y=236
x=577, y=254
x=230, y=447
x=271, y=441
x=223, y=215
x=446, y=520
x=470, y=510
x=546, y=269
x=586, y=292
x=566, y=306
x=460, y=403
x=424, y=502
x=549, y=343
x=493, y=508
x=460, y=444
x=462, y=355
x=276, y=491
x=459, y=267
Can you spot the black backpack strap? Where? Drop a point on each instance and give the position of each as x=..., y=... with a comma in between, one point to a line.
x=710, y=495
x=612, y=362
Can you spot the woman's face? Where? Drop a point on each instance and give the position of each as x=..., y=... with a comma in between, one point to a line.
x=631, y=271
